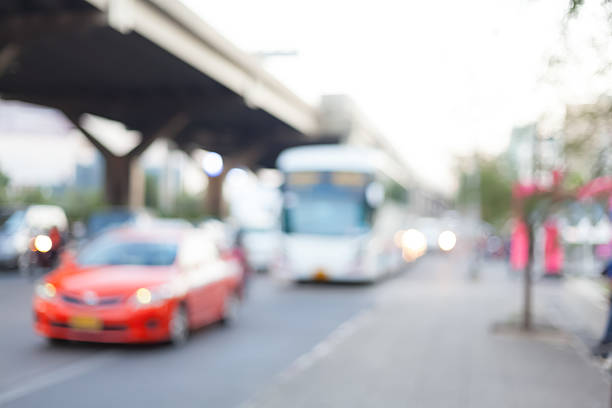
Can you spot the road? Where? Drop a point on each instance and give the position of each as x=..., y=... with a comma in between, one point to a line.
x=419, y=337
x=219, y=366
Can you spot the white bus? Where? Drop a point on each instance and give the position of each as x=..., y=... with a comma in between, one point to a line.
x=341, y=209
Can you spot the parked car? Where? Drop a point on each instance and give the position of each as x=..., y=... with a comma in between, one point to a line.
x=134, y=285
x=22, y=225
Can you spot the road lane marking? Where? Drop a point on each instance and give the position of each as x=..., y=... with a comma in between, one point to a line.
x=57, y=376
x=320, y=351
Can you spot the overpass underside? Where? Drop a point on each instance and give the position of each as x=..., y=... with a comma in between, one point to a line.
x=68, y=55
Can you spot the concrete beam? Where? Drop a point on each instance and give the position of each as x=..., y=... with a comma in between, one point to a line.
x=176, y=29
x=34, y=26
x=8, y=55
x=169, y=129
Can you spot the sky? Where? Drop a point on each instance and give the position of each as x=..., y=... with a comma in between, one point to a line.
x=440, y=78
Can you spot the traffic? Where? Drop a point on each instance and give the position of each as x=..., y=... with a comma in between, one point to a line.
x=131, y=277
x=265, y=204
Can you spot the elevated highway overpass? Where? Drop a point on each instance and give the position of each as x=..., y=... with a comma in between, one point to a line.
x=154, y=66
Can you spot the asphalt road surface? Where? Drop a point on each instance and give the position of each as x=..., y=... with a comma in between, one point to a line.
x=420, y=338
x=219, y=367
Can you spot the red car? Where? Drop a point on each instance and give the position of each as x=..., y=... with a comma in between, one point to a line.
x=138, y=285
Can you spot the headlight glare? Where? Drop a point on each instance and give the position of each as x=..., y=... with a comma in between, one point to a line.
x=447, y=240
x=144, y=296
x=150, y=296
x=46, y=290
x=42, y=243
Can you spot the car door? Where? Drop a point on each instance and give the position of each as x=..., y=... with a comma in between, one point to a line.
x=190, y=262
x=213, y=271
x=203, y=271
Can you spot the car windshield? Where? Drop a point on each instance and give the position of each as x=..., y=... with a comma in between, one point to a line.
x=112, y=251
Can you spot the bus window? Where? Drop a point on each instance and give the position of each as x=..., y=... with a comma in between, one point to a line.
x=326, y=214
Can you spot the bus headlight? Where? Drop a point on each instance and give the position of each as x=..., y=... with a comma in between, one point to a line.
x=447, y=240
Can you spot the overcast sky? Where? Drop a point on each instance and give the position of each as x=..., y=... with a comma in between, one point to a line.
x=439, y=78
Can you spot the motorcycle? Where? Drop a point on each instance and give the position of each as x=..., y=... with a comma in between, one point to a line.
x=42, y=254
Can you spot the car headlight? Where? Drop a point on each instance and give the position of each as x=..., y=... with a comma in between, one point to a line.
x=42, y=243
x=152, y=296
x=447, y=240
x=45, y=290
x=143, y=296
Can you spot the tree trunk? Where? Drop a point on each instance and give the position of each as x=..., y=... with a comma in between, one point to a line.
x=528, y=281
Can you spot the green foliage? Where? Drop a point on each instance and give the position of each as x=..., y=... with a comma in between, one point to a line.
x=4, y=182
x=395, y=192
x=80, y=204
x=77, y=204
x=151, y=191
x=586, y=145
x=489, y=186
x=495, y=193
x=30, y=195
x=576, y=5
x=188, y=207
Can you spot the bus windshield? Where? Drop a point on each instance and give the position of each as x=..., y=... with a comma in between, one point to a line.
x=325, y=214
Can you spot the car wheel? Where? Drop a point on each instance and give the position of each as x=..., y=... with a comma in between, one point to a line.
x=231, y=308
x=179, y=326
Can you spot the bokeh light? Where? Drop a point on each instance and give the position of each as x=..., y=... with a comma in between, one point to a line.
x=447, y=240
x=42, y=243
x=212, y=163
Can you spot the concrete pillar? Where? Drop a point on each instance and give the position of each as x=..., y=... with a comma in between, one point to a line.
x=125, y=181
x=117, y=179
x=214, y=196
x=136, y=195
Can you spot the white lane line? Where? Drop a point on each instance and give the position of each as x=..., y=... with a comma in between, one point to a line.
x=320, y=351
x=54, y=377
x=326, y=346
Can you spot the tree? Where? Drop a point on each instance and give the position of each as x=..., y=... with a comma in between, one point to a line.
x=489, y=186
x=586, y=134
x=4, y=182
x=576, y=5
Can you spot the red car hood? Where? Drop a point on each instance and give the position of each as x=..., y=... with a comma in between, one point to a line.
x=111, y=280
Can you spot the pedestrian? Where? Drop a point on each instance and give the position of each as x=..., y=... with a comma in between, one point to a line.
x=605, y=345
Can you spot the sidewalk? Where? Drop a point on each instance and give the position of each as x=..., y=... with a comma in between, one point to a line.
x=592, y=298
x=428, y=343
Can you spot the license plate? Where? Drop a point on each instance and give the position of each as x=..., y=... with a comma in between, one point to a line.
x=86, y=323
x=320, y=275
